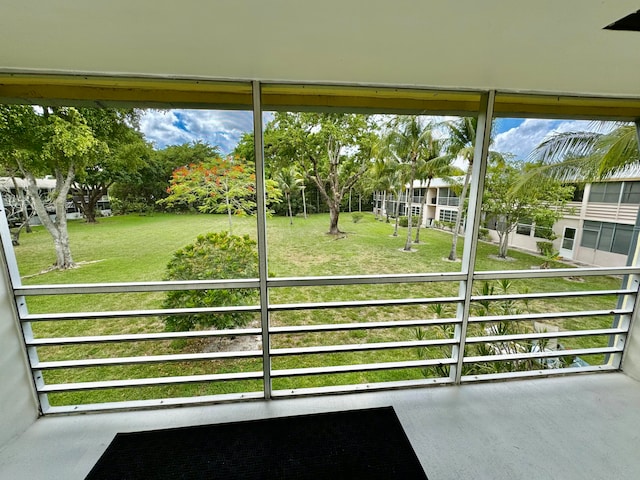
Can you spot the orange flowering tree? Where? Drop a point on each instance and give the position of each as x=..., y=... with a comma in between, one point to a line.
x=219, y=185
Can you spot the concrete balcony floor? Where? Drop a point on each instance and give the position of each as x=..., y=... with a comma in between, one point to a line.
x=579, y=427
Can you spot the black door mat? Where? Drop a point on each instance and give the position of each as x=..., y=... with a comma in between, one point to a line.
x=351, y=444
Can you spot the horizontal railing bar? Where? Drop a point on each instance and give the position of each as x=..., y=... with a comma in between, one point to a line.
x=187, y=357
x=336, y=327
x=42, y=317
x=160, y=286
x=153, y=403
x=364, y=279
x=545, y=372
x=148, y=382
x=533, y=296
x=552, y=354
x=555, y=272
x=363, y=367
x=359, y=347
x=541, y=335
x=363, y=387
x=140, y=337
x=362, y=303
x=133, y=287
x=545, y=315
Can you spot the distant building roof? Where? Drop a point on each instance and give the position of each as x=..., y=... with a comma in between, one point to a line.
x=6, y=183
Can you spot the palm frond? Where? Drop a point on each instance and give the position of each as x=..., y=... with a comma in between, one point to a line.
x=558, y=147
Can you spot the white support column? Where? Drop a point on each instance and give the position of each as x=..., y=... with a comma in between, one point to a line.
x=629, y=361
x=480, y=155
x=263, y=267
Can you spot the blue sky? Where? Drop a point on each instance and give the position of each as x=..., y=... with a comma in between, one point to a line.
x=224, y=128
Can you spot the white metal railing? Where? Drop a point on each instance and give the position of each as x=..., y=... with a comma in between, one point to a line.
x=445, y=363
x=459, y=352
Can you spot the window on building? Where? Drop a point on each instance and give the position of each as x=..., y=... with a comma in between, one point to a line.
x=608, y=192
x=578, y=193
x=607, y=237
x=622, y=239
x=446, y=196
x=631, y=192
x=448, y=215
x=524, y=227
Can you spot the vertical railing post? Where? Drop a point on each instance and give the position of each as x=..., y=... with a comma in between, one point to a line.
x=263, y=267
x=479, y=168
x=630, y=282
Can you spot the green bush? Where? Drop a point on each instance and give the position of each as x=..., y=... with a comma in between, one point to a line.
x=545, y=248
x=212, y=256
x=483, y=234
x=404, y=221
x=357, y=216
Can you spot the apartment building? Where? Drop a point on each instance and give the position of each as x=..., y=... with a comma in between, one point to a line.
x=597, y=228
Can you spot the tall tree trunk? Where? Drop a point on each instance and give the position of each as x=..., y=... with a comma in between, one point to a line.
x=453, y=255
x=503, y=244
x=386, y=210
x=89, y=206
x=334, y=214
x=423, y=202
x=407, y=245
x=57, y=228
x=304, y=203
x=395, y=231
x=23, y=205
x=226, y=197
x=289, y=205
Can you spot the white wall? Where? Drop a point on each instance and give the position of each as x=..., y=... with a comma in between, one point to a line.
x=18, y=407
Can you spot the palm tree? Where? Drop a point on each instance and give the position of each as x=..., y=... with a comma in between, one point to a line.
x=589, y=155
x=461, y=145
x=410, y=142
x=436, y=167
x=289, y=181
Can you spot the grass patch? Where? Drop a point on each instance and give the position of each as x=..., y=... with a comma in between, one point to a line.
x=137, y=248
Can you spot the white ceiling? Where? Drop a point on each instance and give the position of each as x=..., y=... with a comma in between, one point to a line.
x=532, y=46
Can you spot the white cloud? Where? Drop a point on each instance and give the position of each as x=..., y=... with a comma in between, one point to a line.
x=521, y=140
x=216, y=127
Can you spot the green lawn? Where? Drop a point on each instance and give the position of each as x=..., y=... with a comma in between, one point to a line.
x=137, y=248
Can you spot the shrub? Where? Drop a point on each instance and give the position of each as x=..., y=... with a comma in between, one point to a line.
x=545, y=248
x=483, y=234
x=212, y=256
x=357, y=216
x=404, y=221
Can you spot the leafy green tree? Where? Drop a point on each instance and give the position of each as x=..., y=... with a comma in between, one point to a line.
x=433, y=164
x=410, y=141
x=289, y=181
x=212, y=256
x=218, y=185
x=49, y=140
x=332, y=150
x=379, y=177
x=543, y=202
x=126, y=151
x=142, y=189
